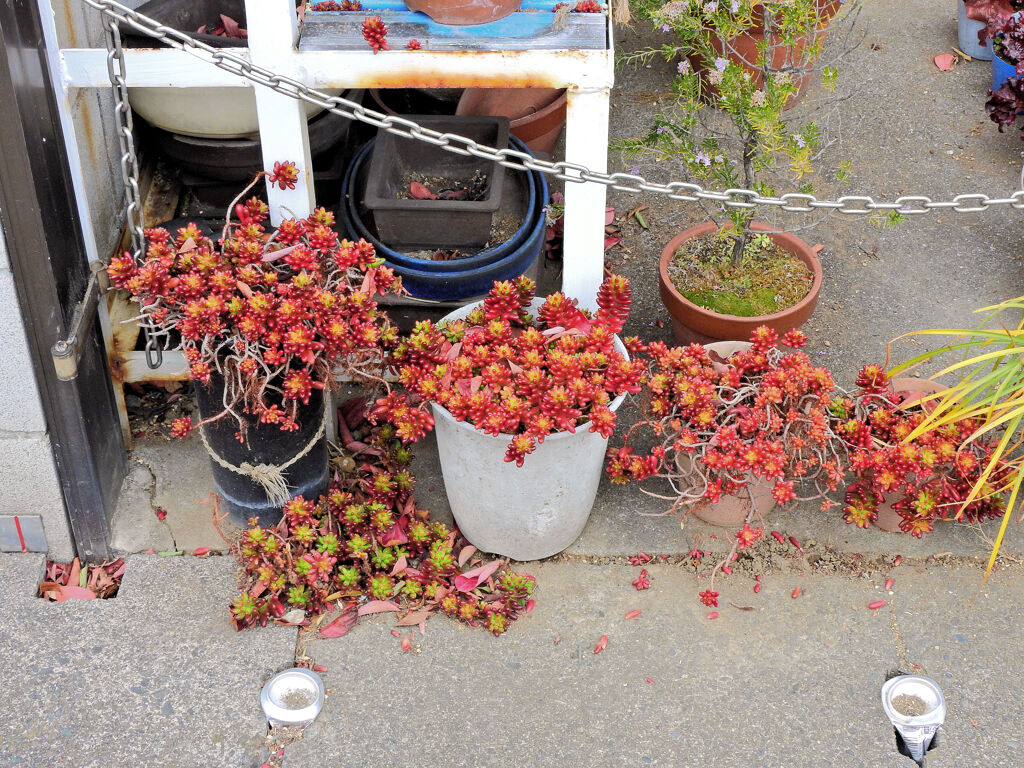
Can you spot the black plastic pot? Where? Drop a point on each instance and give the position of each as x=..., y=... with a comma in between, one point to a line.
x=265, y=444
x=434, y=223
x=238, y=160
x=187, y=16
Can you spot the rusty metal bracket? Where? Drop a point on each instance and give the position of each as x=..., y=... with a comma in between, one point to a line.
x=65, y=352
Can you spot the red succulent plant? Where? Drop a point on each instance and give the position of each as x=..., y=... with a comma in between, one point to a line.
x=276, y=314
x=508, y=373
x=366, y=540
x=926, y=478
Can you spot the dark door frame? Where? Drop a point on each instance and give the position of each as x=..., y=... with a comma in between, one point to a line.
x=49, y=262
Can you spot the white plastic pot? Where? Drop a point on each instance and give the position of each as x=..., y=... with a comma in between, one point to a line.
x=967, y=35
x=527, y=512
x=206, y=113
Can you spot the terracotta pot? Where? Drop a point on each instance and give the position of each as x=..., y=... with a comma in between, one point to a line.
x=537, y=115
x=745, y=51
x=464, y=12
x=731, y=511
x=691, y=323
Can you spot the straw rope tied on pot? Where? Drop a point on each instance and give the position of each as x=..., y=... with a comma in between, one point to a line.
x=267, y=322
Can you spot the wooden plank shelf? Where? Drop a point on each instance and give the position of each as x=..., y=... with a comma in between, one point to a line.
x=535, y=27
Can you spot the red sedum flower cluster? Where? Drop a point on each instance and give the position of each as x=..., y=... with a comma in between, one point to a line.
x=272, y=313
x=925, y=479
x=508, y=373
x=763, y=413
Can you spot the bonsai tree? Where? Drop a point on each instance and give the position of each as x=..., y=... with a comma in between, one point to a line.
x=740, y=64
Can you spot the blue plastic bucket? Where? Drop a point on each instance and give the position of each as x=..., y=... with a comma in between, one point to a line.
x=1002, y=71
x=357, y=229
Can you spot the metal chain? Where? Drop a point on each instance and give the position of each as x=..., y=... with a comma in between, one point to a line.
x=852, y=205
x=129, y=164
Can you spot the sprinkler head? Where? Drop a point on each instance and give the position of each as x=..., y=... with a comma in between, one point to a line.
x=916, y=709
x=293, y=697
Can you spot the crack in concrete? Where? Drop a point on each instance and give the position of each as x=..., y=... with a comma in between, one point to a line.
x=151, y=492
x=901, y=645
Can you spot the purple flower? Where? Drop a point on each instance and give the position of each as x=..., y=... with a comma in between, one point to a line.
x=702, y=158
x=735, y=6
x=665, y=28
x=661, y=129
x=799, y=140
x=634, y=171
x=721, y=64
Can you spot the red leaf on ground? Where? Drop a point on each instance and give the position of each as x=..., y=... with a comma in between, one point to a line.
x=633, y=614
x=319, y=668
x=341, y=625
x=611, y=242
x=601, y=644
x=400, y=565
x=945, y=61
x=796, y=593
x=529, y=607
x=609, y=216
x=467, y=552
x=394, y=535
x=418, y=191
x=150, y=551
x=78, y=593
x=414, y=618
x=876, y=605
x=470, y=580
x=406, y=645
x=378, y=606
x=201, y=551
x=76, y=570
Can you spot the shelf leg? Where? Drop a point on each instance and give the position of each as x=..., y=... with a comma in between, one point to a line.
x=273, y=32
x=586, y=143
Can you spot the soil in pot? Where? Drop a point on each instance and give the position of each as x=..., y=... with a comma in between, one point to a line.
x=769, y=279
x=417, y=186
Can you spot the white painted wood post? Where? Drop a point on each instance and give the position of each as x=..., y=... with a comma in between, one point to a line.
x=586, y=143
x=273, y=33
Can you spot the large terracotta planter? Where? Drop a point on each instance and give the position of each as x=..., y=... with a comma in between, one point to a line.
x=691, y=323
x=536, y=115
x=464, y=12
x=745, y=51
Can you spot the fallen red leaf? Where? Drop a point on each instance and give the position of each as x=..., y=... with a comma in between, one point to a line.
x=418, y=191
x=601, y=644
x=648, y=680
x=876, y=605
x=400, y=565
x=319, y=668
x=406, y=645
x=393, y=536
x=76, y=569
x=201, y=551
x=609, y=215
x=796, y=593
x=377, y=606
x=529, y=606
x=470, y=580
x=416, y=617
x=633, y=614
x=713, y=615
x=341, y=625
x=945, y=61
x=611, y=242
x=469, y=550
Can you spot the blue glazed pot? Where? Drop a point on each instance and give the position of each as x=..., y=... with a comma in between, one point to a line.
x=1002, y=71
x=356, y=227
x=462, y=282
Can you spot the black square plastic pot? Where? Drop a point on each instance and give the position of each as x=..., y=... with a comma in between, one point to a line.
x=434, y=223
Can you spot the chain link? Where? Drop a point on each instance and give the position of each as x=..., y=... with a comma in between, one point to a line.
x=848, y=205
x=129, y=164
